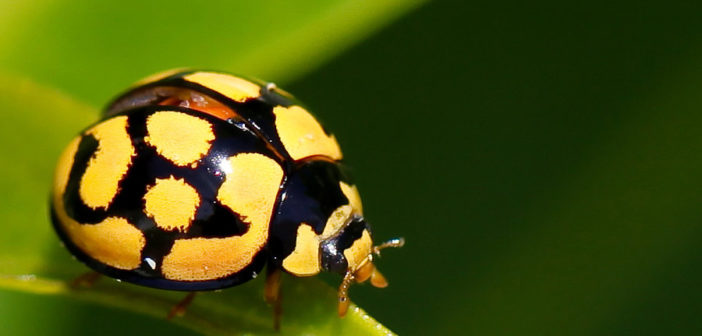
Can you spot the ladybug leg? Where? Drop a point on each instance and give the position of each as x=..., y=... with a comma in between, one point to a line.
x=180, y=308
x=343, y=293
x=87, y=279
x=272, y=294
x=363, y=273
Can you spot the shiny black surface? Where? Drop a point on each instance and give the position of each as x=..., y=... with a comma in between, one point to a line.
x=333, y=259
x=211, y=219
x=309, y=192
x=256, y=113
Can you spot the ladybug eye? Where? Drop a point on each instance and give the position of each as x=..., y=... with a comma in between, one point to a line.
x=333, y=260
x=333, y=249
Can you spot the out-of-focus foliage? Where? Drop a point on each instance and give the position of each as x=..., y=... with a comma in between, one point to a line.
x=32, y=261
x=90, y=51
x=94, y=49
x=542, y=160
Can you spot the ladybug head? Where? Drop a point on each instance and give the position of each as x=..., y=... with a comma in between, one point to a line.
x=350, y=253
x=321, y=209
x=349, y=248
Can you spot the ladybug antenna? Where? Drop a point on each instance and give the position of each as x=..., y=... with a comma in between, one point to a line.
x=396, y=242
x=363, y=273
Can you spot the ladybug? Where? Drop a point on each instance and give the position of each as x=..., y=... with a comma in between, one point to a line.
x=194, y=180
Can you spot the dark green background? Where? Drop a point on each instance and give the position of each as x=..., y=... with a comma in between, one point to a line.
x=542, y=160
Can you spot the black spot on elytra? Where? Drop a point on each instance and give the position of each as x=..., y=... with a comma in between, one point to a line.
x=216, y=213
x=212, y=219
x=73, y=203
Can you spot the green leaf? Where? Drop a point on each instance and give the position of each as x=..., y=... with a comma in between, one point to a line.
x=38, y=123
x=93, y=49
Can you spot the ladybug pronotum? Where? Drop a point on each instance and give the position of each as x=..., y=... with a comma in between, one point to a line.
x=195, y=180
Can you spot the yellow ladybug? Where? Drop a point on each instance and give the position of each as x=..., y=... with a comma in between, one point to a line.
x=194, y=180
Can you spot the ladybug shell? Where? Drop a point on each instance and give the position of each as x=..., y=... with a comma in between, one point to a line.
x=195, y=180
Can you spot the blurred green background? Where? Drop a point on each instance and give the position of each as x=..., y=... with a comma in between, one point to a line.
x=542, y=159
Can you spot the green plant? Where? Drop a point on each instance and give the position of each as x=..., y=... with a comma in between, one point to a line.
x=93, y=52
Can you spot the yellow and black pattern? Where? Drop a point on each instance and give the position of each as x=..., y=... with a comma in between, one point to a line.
x=169, y=202
x=194, y=180
x=283, y=122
